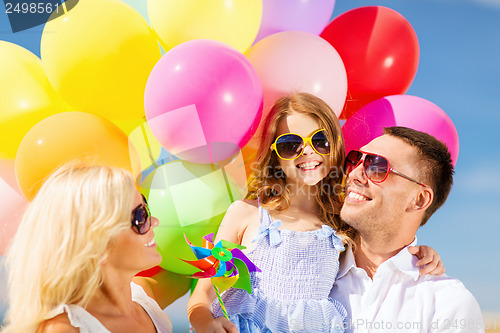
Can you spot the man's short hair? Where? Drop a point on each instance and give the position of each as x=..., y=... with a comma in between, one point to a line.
x=436, y=163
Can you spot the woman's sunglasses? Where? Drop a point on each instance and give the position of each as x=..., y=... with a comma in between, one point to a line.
x=375, y=167
x=141, y=217
x=289, y=146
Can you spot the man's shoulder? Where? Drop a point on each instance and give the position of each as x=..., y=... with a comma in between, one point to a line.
x=441, y=281
x=448, y=292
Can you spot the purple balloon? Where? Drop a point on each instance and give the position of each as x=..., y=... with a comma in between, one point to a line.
x=203, y=101
x=298, y=15
x=400, y=110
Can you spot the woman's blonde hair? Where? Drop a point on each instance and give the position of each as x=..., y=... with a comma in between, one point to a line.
x=268, y=182
x=64, y=235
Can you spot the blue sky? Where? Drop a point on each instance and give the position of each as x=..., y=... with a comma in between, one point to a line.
x=459, y=71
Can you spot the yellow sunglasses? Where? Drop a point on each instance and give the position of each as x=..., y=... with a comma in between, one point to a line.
x=289, y=146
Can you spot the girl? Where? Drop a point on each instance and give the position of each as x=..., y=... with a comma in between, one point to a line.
x=290, y=226
x=81, y=242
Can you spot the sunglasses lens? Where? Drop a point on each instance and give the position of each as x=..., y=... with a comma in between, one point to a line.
x=352, y=159
x=141, y=219
x=320, y=143
x=376, y=167
x=289, y=146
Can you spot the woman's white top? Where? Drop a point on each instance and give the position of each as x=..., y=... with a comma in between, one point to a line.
x=87, y=323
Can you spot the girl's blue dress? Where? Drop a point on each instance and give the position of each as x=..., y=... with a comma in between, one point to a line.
x=291, y=293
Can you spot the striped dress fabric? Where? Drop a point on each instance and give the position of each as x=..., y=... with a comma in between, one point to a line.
x=290, y=294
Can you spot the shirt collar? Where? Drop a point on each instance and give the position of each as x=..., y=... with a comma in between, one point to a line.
x=346, y=262
x=404, y=261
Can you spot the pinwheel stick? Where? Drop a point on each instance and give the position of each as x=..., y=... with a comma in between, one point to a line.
x=222, y=306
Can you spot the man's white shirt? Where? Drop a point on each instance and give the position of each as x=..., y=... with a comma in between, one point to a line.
x=400, y=300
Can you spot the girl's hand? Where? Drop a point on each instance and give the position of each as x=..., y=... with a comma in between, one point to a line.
x=220, y=325
x=430, y=261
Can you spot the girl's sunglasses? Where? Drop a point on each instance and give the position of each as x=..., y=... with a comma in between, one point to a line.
x=289, y=146
x=375, y=167
x=141, y=217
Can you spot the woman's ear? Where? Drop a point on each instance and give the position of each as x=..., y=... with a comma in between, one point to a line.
x=104, y=259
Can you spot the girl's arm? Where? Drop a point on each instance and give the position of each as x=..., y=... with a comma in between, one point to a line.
x=199, y=308
x=430, y=261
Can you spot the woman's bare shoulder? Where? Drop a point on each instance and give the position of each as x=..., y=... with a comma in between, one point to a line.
x=58, y=324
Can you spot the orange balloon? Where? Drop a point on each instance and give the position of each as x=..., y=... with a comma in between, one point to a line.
x=69, y=136
x=249, y=153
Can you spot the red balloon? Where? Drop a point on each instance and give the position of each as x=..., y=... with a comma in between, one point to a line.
x=380, y=52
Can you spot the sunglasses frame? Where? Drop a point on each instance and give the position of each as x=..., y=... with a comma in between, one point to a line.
x=135, y=224
x=305, y=141
x=389, y=168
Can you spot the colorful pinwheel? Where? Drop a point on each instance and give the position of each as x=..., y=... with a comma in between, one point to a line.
x=224, y=263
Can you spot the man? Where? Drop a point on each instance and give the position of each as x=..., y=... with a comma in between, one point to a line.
x=396, y=182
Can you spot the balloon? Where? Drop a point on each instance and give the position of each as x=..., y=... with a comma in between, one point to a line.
x=149, y=151
x=296, y=61
x=12, y=206
x=27, y=96
x=203, y=101
x=98, y=57
x=292, y=61
x=173, y=190
x=234, y=22
x=400, y=110
x=69, y=136
x=380, y=52
x=284, y=15
x=8, y=173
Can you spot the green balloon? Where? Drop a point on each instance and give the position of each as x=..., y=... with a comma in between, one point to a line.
x=190, y=199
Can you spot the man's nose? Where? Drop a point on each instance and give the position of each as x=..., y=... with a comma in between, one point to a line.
x=357, y=174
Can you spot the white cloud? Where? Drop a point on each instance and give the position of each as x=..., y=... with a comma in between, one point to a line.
x=489, y=3
x=483, y=177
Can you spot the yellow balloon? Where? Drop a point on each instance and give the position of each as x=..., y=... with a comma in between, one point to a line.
x=98, y=56
x=26, y=96
x=234, y=22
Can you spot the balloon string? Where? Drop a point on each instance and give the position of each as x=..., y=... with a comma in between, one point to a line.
x=222, y=306
x=228, y=187
x=148, y=145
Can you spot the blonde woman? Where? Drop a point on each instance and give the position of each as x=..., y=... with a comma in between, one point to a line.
x=82, y=240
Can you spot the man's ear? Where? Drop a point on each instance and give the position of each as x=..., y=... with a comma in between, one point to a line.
x=423, y=199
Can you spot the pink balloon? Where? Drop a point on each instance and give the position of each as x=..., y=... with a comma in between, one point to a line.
x=8, y=173
x=203, y=101
x=284, y=15
x=400, y=110
x=12, y=206
x=296, y=61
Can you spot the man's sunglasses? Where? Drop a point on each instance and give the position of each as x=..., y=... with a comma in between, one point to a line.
x=375, y=167
x=141, y=217
x=289, y=146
